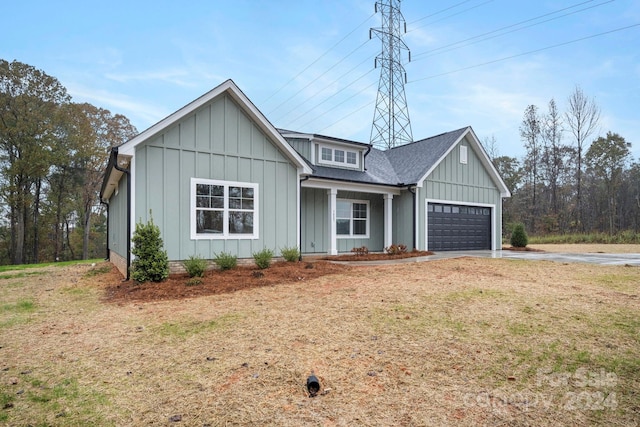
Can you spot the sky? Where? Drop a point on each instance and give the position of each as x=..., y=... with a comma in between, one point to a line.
x=309, y=65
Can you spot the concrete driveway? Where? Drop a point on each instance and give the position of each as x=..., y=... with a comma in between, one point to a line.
x=588, y=258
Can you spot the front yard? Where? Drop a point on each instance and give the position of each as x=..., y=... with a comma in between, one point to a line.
x=452, y=342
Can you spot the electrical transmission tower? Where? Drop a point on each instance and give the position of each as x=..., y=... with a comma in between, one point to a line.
x=391, y=124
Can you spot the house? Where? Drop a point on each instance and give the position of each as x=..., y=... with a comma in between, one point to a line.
x=217, y=176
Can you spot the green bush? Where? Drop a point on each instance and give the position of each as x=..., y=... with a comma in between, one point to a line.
x=194, y=281
x=151, y=263
x=291, y=254
x=226, y=261
x=263, y=258
x=519, y=237
x=195, y=266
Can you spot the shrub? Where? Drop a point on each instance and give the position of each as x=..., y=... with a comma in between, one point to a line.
x=151, y=263
x=194, y=281
x=291, y=254
x=361, y=251
x=263, y=258
x=226, y=261
x=396, y=249
x=519, y=237
x=195, y=266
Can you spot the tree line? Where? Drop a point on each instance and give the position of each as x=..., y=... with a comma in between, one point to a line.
x=570, y=179
x=52, y=157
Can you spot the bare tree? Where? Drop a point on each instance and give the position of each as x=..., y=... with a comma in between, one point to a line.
x=582, y=118
x=530, y=132
x=554, y=152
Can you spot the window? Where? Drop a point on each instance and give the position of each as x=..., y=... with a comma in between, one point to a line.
x=351, y=157
x=223, y=209
x=352, y=218
x=339, y=157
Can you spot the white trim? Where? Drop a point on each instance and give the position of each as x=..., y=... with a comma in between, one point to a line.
x=459, y=203
x=333, y=244
x=333, y=162
x=229, y=87
x=225, y=235
x=388, y=220
x=484, y=159
x=351, y=219
x=298, y=213
x=325, y=184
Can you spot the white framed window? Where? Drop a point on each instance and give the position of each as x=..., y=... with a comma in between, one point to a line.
x=463, y=154
x=352, y=157
x=339, y=157
x=352, y=218
x=223, y=209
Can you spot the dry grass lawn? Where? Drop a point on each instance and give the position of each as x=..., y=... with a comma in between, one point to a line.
x=443, y=343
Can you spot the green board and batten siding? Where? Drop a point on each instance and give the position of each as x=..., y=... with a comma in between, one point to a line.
x=118, y=219
x=459, y=183
x=315, y=223
x=217, y=141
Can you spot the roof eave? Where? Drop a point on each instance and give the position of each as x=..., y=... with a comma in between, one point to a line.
x=229, y=87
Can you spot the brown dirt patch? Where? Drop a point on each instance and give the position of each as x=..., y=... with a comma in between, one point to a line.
x=218, y=282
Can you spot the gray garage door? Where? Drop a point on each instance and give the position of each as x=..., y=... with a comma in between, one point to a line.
x=458, y=228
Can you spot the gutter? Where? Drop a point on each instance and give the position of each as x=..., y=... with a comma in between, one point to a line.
x=114, y=154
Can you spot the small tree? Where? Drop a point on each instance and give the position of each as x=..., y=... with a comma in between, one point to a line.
x=519, y=237
x=151, y=263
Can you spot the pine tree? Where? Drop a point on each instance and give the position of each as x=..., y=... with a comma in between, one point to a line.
x=151, y=263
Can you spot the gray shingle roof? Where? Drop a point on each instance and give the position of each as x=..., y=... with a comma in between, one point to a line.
x=402, y=165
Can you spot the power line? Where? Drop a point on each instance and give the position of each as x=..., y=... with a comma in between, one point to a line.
x=318, y=77
x=526, y=53
x=337, y=105
x=430, y=53
x=324, y=54
x=347, y=116
x=439, y=12
x=322, y=90
x=450, y=16
x=318, y=59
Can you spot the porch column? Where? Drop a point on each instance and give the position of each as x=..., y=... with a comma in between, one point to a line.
x=333, y=244
x=388, y=220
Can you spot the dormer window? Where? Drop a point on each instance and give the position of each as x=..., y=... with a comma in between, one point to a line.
x=338, y=157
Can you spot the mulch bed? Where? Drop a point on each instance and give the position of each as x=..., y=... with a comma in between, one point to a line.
x=215, y=282
x=376, y=256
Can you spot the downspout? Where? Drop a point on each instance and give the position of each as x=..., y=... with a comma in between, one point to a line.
x=107, y=257
x=300, y=217
x=415, y=217
x=114, y=153
x=364, y=158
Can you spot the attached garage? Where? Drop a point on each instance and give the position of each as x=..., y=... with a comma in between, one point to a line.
x=458, y=227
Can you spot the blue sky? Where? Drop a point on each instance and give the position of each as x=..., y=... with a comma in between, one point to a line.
x=308, y=65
